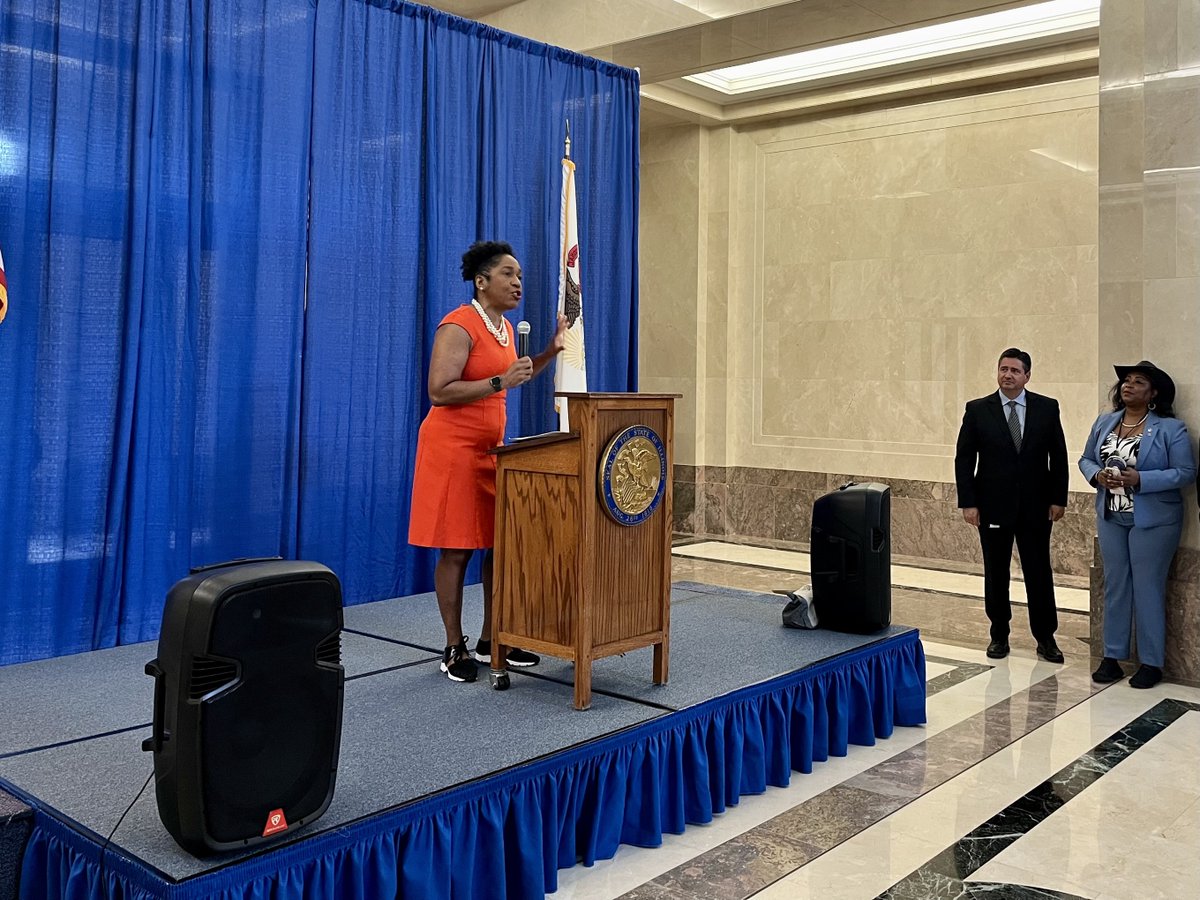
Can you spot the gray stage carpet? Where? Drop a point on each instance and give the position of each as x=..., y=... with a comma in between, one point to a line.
x=71, y=728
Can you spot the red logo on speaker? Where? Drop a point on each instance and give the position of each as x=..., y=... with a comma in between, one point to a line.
x=276, y=822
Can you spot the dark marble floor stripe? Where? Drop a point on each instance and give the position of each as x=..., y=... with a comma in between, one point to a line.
x=746, y=864
x=962, y=671
x=945, y=875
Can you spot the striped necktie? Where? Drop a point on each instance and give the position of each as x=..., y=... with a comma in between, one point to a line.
x=1014, y=424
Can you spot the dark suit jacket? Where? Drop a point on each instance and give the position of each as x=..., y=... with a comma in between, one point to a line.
x=1006, y=486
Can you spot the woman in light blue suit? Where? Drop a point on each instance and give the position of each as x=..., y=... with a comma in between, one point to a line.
x=1138, y=457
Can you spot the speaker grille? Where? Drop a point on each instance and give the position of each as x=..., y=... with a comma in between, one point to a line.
x=330, y=650
x=209, y=675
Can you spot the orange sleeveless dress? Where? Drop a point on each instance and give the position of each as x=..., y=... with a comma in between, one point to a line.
x=454, y=483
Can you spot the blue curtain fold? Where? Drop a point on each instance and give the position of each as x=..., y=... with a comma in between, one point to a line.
x=508, y=835
x=230, y=229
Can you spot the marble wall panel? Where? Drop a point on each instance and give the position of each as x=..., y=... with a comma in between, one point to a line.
x=685, y=412
x=1187, y=40
x=1159, y=224
x=1043, y=148
x=1120, y=232
x=797, y=292
x=713, y=440
x=1160, y=45
x=1187, y=224
x=1122, y=42
x=1183, y=631
x=1120, y=333
x=1121, y=115
x=1031, y=281
x=685, y=518
x=1171, y=326
x=713, y=500
x=929, y=529
x=862, y=289
x=1172, y=122
x=670, y=278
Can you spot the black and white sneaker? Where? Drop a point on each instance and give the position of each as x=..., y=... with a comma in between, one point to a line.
x=517, y=658
x=457, y=662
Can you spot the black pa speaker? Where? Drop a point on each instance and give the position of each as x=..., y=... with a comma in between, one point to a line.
x=248, y=689
x=851, y=558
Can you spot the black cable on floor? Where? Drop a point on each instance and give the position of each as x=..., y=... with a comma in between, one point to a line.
x=108, y=840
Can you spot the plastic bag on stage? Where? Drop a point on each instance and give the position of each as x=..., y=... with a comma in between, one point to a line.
x=799, y=611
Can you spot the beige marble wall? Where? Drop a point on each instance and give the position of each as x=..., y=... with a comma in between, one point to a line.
x=852, y=279
x=672, y=274
x=858, y=275
x=1149, y=207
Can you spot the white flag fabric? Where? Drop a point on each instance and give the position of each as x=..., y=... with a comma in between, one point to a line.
x=570, y=372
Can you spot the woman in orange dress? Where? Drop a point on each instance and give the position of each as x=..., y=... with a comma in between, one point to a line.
x=473, y=364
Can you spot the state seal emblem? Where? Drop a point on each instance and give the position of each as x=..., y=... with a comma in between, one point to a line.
x=633, y=475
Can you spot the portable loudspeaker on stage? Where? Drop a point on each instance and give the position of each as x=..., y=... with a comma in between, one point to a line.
x=248, y=688
x=851, y=558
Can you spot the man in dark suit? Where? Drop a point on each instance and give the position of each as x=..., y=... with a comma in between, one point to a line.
x=1011, y=470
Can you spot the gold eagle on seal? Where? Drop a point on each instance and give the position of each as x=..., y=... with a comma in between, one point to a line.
x=635, y=476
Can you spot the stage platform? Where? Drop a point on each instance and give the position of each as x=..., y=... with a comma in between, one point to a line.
x=448, y=790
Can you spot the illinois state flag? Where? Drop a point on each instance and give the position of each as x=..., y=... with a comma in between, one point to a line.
x=3, y=291
x=570, y=373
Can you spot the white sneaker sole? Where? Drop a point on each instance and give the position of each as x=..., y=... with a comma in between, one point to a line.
x=446, y=669
x=486, y=659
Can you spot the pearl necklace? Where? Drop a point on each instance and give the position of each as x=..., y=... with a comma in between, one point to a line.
x=501, y=333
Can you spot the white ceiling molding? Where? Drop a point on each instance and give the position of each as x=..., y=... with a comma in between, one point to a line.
x=1057, y=21
x=667, y=102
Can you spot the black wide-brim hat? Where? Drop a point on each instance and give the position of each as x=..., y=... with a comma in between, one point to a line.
x=1159, y=379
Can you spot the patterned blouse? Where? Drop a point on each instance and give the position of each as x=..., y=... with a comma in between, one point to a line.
x=1126, y=449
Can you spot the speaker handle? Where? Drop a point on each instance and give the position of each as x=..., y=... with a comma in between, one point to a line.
x=242, y=561
x=159, y=735
x=877, y=540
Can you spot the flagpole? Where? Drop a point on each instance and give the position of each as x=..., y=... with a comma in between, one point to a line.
x=570, y=370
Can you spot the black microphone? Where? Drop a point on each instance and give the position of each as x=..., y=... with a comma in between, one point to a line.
x=522, y=339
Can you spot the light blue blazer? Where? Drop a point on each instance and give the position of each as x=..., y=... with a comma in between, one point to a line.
x=1165, y=463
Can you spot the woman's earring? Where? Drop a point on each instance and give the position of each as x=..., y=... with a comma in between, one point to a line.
x=1151, y=407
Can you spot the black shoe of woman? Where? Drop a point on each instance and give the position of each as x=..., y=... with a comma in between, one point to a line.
x=1108, y=671
x=1146, y=677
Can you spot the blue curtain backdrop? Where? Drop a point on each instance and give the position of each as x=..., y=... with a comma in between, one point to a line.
x=229, y=231
x=432, y=132
x=153, y=159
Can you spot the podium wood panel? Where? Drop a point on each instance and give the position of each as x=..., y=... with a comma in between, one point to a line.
x=629, y=561
x=540, y=573
x=570, y=581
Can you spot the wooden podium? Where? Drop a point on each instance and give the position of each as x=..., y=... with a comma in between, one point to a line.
x=569, y=580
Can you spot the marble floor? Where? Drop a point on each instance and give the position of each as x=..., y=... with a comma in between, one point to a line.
x=1028, y=781
x=964, y=584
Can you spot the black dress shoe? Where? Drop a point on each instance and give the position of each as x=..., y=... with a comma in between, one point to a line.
x=1048, y=650
x=1146, y=677
x=997, y=650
